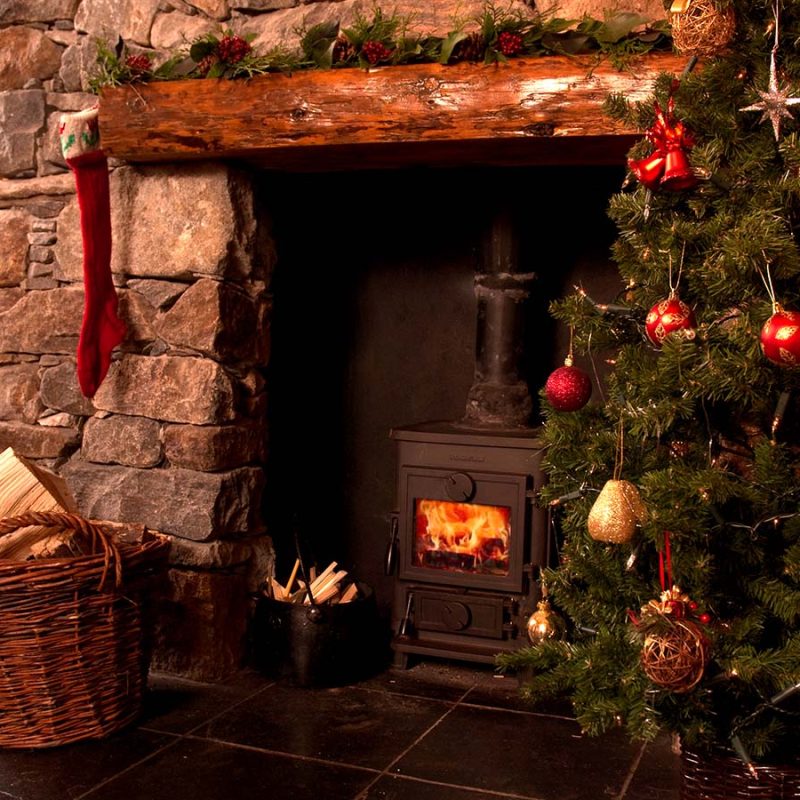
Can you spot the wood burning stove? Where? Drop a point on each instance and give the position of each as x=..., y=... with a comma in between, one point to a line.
x=468, y=537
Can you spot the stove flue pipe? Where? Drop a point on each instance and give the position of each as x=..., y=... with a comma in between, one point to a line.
x=499, y=397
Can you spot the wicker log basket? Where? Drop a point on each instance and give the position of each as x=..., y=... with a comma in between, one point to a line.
x=73, y=662
x=722, y=775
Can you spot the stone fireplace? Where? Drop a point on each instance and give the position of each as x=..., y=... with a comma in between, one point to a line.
x=177, y=435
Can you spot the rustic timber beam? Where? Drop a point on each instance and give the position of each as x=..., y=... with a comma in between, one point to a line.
x=543, y=110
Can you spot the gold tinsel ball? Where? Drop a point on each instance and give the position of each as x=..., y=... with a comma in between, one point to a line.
x=676, y=658
x=544, y=623
x=701, y=28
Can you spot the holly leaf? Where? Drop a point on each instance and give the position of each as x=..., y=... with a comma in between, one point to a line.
x=205, y=47
x=618, y=26
x=217, y=70
x=449, y=44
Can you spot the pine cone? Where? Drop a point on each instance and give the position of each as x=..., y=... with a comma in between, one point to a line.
x=138, y=65
x=205, y=64
x=343, y=50
x=232, y=49
x=375, y=52
x=473, y=48
x=510, y=44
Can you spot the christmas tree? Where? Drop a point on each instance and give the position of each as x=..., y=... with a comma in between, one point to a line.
x=674, y=494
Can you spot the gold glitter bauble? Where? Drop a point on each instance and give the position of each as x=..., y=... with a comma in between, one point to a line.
x=544, y=623
x=615, y=513
x=701, y=29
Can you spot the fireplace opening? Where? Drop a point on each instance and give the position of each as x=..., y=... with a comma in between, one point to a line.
x=374, y=325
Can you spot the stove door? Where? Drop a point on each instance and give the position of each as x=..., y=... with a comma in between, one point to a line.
x=461, y=528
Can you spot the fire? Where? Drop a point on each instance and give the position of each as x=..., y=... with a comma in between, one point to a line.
x=462, y=536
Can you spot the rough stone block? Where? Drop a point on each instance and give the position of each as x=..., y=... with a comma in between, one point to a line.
x=188, y=222
x=40, y=238
x=42, y=254
x=213, y=318
x=171, y=31
x=26, y=53
x=32, y=187
x=43, y=322
x=181, y=502
x=37, y=441
x=60, y=390
x=216, y=9
x=137, y=314
x=77, y=63
x=130, y=441
x=201, y=624
x=160, y=294
x=212, y=447
x=170, y=388
x=209, y=555
x=21, y=118
x=20, y=11
x=19, y=393
x=8, y=298
x=14, y=227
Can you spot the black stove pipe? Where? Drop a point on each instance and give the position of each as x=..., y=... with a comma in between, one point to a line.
x=499, y=397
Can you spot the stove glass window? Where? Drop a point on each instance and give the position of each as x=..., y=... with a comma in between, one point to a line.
x=462, y=537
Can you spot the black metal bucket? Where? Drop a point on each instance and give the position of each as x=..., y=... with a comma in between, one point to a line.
x=325, y=645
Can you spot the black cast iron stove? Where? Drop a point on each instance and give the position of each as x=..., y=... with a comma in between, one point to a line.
x=467, y=537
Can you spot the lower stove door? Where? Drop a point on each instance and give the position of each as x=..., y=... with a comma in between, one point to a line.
x=451, y=623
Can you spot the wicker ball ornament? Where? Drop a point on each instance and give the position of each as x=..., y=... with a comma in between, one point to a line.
x=700, y=28
x=676, y=658
x=780, y=338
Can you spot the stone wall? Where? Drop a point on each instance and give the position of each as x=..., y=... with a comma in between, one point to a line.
x=175, y=437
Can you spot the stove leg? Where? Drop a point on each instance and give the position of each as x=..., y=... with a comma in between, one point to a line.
x=400, y=661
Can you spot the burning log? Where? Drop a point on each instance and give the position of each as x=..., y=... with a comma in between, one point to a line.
x=446, y=559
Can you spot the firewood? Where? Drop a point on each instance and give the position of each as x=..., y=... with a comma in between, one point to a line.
x=327, y=588
x=350, y=593
x=289, y=583
x=318, y=582
x=278, y=592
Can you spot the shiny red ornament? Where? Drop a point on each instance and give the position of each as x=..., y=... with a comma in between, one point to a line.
x=669, y=316
x=667, y=167
x=780, y=338
x=705, y=618
x=568, y=388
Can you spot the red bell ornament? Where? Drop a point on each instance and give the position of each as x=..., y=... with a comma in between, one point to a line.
x=669, y=316
x=568, y=388
x=678, y=173
x=780, y=338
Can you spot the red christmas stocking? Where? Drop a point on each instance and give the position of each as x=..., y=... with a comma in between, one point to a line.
x=101, y=330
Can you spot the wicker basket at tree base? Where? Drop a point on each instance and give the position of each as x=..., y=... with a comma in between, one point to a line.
x=73, y=663
x=723, y=775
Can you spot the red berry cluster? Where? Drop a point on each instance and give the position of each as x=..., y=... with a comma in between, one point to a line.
x=232, y=49
x=138, y=65
x=510, y=44
x=375, y=52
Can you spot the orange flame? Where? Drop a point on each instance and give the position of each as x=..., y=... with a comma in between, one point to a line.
x=470, y=537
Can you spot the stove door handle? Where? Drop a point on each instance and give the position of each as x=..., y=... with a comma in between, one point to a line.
x=391, y=549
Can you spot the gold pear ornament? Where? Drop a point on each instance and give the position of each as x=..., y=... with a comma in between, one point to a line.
x=616, y=512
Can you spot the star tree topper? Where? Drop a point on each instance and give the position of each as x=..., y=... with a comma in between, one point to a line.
x=775, y=101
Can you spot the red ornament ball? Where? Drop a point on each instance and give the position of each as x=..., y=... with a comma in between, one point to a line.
x=780, y=338
x=568, y=388
x=705, y=618
x=669, y=316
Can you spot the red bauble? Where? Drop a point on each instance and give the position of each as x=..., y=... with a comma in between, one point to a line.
x=668, y=316
x=780, y=338
x=568, y=388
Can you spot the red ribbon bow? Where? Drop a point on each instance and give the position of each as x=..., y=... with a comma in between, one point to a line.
x=668, y=166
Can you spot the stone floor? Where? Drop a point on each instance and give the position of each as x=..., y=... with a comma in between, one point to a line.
x=438, y=731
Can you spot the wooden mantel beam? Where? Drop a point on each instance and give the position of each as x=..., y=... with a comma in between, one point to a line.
x=543, y=110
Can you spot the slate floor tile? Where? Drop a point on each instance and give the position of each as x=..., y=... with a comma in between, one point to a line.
x=347, y=725
x=515, y=753
x=438, y=680
x=65, y=773
x=199, y=770
x=176, y=705
x=397, y=788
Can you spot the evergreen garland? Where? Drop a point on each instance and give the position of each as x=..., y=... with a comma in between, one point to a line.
x=390, y=39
